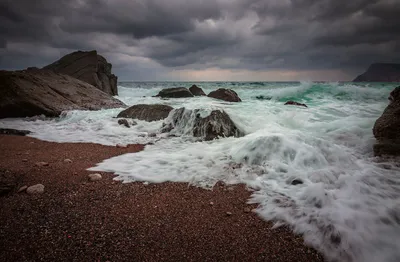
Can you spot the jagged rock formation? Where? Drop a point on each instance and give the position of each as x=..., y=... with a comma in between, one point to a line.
x=387, y=128
x=197, y=91
x=175, y=92
x=88, y=67
x=189, y=122
x=380, y=72
x=225, y=94
x=146, y=112
x=35, y=92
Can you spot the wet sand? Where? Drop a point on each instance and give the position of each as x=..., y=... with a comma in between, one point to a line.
x=78, y=220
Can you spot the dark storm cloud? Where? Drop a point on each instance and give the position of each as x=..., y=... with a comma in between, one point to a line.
x=229, y=34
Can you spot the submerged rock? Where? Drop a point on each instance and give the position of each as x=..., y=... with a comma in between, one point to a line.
x=175, y=92
x=225, y=94
x=216, y=124
x=197, y=91
x=295, y=103
x=261, y=97
x=123, y=122
x=387, y=128
x=88, y=67
x=146, y=112
x=14, y=132
x=42, y=92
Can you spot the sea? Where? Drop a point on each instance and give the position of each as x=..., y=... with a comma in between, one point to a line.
x=346, y=202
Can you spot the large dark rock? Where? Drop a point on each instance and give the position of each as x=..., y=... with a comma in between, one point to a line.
x=225, y=94
x=380, y=72
x=189, y=122
x=196, y=91
x=146, y=112
x=387, y=128
x=175, y=92
x=294, y=103
x=42, y=92
x=14, y=132
x=88, y=67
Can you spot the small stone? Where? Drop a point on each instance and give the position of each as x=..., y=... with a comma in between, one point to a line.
x=229, y=214
x=36, y=189
x=247, y=210
x=211, y=203
x=24, y=160
x=94, y=177
x=297, y=182
x=22, y=189
x=40, y=164
x=67, y=160
x=254, y=210
x=230, y=189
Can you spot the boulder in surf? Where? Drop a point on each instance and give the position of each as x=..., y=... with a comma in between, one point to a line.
x=175, y=92
x=146, y=112
x=225, y=94
x=387, y=127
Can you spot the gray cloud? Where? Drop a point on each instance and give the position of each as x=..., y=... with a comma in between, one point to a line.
x=158, y=36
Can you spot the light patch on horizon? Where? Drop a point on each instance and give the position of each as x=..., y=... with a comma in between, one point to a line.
x=217, y=74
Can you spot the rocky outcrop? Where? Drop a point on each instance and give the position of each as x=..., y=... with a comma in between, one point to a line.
x=88, y=67
x=196, y=91
x=387, y=128
x=293, y=103
x=189, y=122
x=225, y=94
x=14, y=132
x=146, y=112
x=43, y=92
x=175, y=92
x=380, y=72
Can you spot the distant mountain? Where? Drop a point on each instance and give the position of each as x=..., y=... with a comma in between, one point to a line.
x=380, y=72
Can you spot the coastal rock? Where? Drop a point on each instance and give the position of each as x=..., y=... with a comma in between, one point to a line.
x=146, y=112
x=216, y=124
x=36, y=189
x=380, y=72
x=42, y=92
x=88, y=67
x=196, y=91
x=123, y=122
x=95, y=177
x=295, y=103
x=14, y=132
x=175, y=92
x=387, y=128
x=225, y=94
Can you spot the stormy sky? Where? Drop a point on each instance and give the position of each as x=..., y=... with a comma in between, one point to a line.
x=247, y=40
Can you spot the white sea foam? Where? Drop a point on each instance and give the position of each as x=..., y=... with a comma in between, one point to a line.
x=348, y=205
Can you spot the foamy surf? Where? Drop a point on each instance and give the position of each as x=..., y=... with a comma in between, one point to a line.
x=311, y=168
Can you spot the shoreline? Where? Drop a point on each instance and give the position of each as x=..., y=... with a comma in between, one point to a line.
x=106, y=220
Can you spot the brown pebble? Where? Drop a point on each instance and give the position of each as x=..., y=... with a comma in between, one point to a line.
x=24, y=160
x=67, y=160
x=211, y=203
x=229, y=213
x=247, y=210
x=22, y=189
x=41, y=164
